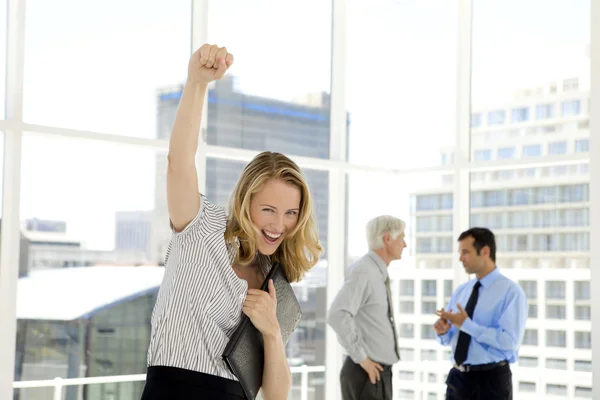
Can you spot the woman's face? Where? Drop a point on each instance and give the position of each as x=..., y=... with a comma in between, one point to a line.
x=274, y=211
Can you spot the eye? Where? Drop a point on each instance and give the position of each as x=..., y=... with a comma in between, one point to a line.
x=268, y=210
x=293, y=212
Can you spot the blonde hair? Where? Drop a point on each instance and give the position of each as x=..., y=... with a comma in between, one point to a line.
x=300, y=249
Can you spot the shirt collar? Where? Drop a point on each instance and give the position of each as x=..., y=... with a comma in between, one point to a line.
x=490, y=278
x=379, y=262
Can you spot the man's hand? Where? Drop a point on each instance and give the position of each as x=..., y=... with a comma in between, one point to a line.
x=441, y=326
x=373, y=369
x=455, y=319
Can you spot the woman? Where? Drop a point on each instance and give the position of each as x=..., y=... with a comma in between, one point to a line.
x=217, y=263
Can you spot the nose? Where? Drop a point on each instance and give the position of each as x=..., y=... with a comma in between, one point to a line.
x=278, y=223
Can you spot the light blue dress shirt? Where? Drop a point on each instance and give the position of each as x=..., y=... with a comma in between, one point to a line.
x=498, y=322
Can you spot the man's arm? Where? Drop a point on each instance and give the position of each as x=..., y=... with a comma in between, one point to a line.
x=344, y=308
x=509, y=334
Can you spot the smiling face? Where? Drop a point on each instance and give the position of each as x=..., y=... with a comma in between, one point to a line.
x=274, y=211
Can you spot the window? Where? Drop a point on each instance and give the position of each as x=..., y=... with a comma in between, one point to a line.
x=529, y=362
x=571, y=108
x=448, y=287
x=583, y=365
x=483, y=155
x=407, y=307
x=530, y=288
x=583, y=340
x=406, y=394
x=428, y=288
x=555, y=290
x=520, y=114
x=407, y=354
x=556, y=148
x=555, y=338
x=407, y=287
x=506, y=153
x=582, y=290
x=583, y=392
x=476, y=120
x=427, y=331
x=544, y=111
x=496, y=117
x=406, y=375
x=527, y=387
x=533, y=311
x=428, y=307
x=582, y=146
x=583, y=313
x=556, y=390
x=406, y=330
x=425, y=224
x=556, y=363
x=428, y=355
x=531, y=337
x=556, y=312
x=519, y=196
x=534, y=150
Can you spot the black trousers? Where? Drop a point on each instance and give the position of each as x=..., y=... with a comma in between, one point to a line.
x=356, y=385
x=494, y=384
x=169, y=383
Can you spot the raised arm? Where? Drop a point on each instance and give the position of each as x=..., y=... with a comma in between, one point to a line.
x=207, y=64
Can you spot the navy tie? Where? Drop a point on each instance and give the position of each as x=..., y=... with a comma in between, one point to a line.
x=464, y=339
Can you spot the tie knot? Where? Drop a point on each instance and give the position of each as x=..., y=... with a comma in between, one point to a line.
x=477, y=285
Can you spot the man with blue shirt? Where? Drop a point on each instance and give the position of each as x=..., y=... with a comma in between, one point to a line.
x=484, y=324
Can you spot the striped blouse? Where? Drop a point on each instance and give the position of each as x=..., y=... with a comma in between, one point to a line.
x=200, y=300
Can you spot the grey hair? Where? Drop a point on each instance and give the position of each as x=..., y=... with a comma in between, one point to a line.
x=379, y=226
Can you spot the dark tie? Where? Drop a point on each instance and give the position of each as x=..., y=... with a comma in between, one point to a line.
x=391, y=315
x=462, y=345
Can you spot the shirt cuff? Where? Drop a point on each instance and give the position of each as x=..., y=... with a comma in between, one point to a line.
x=445, y=338
x=358, y=355
x=471, y=328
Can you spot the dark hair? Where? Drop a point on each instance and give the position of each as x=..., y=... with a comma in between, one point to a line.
x=482, y=237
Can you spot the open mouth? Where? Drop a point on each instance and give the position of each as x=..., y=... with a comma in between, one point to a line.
x=271, y=237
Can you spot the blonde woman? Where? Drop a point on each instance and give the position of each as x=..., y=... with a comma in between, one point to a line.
x=216, y=263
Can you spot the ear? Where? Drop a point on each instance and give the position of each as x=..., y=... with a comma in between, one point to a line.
x=485, y=251
x=386, y=237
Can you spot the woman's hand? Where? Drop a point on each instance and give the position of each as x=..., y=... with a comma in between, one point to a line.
x=209, y=63
x=261, y=307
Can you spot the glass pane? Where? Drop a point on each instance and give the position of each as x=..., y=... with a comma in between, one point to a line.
x=419, y=278
x=401, y=71
x=542, y=227
x=88, y=290
x=307, y=344
x=530, y=94
x=102, y=65
x=530, y=80
x=275, y=96
x=3, y=58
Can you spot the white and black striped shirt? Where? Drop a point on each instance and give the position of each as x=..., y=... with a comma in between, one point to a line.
x=200, y=300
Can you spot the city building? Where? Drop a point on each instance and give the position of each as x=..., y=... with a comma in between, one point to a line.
x=133, y=230
x=540, y=216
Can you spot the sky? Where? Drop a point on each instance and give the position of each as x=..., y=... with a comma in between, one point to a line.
x=97, y=67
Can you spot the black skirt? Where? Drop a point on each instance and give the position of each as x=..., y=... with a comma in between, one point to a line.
x=182, y=384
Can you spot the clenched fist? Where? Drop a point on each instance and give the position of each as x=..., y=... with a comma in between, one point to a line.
x=209, y=63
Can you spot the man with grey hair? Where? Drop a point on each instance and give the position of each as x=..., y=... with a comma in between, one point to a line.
x=362, y=316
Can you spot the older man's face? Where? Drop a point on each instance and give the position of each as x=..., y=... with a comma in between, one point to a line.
x=396, y=246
